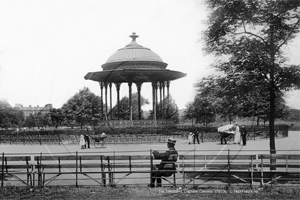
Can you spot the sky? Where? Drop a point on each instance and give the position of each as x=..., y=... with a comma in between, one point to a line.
x=48, y=46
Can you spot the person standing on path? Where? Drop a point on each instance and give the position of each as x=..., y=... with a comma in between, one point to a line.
x=196, y=136
x=244, y=135
x=237, y=137
x=190, y=137
x=82, y=142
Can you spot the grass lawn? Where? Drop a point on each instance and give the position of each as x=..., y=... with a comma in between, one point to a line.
x=149, y=193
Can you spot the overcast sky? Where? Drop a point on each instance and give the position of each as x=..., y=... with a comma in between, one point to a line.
x=47, y=47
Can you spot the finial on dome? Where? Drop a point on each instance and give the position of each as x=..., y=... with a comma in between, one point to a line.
x=133, y=36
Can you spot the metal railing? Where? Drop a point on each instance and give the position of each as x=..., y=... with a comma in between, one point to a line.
x=202, y=168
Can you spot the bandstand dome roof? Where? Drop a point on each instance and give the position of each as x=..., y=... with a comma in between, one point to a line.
x=134, y=51
x=135, y=56
x=134, y=63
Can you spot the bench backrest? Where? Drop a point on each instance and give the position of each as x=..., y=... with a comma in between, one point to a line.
x=217, y=161
x=15, y=162
x=144, y=161
x=287, y=161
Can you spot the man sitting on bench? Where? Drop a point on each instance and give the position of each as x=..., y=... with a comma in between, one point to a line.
x=168, y=160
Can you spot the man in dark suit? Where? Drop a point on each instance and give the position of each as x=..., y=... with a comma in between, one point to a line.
x=168, y=160
x=196, y=136
x=244, y=135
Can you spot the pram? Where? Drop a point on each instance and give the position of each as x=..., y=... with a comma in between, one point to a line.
x=227, y=132
x=99, y=141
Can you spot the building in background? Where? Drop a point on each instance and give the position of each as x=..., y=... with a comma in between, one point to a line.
x=34, y=110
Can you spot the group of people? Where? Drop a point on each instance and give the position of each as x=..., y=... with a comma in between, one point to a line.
x=193, y=136
x=84, y=141
x=240, y=135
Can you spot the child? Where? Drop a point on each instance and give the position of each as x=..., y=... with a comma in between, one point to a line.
x=190, y=137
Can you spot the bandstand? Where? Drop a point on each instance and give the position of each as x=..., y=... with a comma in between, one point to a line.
x=134, y=64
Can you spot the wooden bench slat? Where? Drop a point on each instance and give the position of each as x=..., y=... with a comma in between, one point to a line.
x=91, y=157
x=216, y=166
x=16, y=158
x=126, y=157
x=217, y=157
x=16, y=166
x=279, y=156
x=280, y=165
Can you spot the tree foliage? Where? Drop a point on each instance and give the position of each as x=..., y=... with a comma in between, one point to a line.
x=124, y=112
x=10, y=117
x=169, y=110
x=57, y=117
x=83, y=108
x=252, y=34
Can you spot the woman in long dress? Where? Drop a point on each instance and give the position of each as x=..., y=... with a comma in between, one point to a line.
x=82, y=142
x=237, y=136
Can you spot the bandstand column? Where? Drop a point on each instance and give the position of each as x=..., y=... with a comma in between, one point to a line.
x=168, y=94
x=130, y=100
x=105, y=86
x=164, y=102
x=156, y=99
x=139, y=86
x=154, y=86
x=101, y=88
x=118, y=85
x=110, y=100
x=160, y=101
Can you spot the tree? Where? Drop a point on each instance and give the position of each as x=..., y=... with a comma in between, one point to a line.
x=294, y=115
x=30, y=121
x=83, y=108
x=57, y=117
x=270, y=24
x=42, y=120
x=205, y=105
x=124, y=112
x=10, y=117
x=169, y=110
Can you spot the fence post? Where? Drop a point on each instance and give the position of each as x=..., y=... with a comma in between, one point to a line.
x=151, y=165
x=2, y=169
x=76, y=182
x=228, y=167
x=251, y=168
x=40, y=176
x=262, y=172
x=102, y=172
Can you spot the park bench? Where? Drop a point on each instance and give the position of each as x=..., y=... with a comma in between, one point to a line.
x=49, y=168
x=120, y=167
x=17, y=167
x=239, y=167
x=228, y=168
x=279, y=167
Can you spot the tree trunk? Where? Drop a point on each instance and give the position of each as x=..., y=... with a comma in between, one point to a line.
x=272, y=101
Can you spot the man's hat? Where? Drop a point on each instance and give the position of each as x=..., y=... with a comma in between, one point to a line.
x=171, y=141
